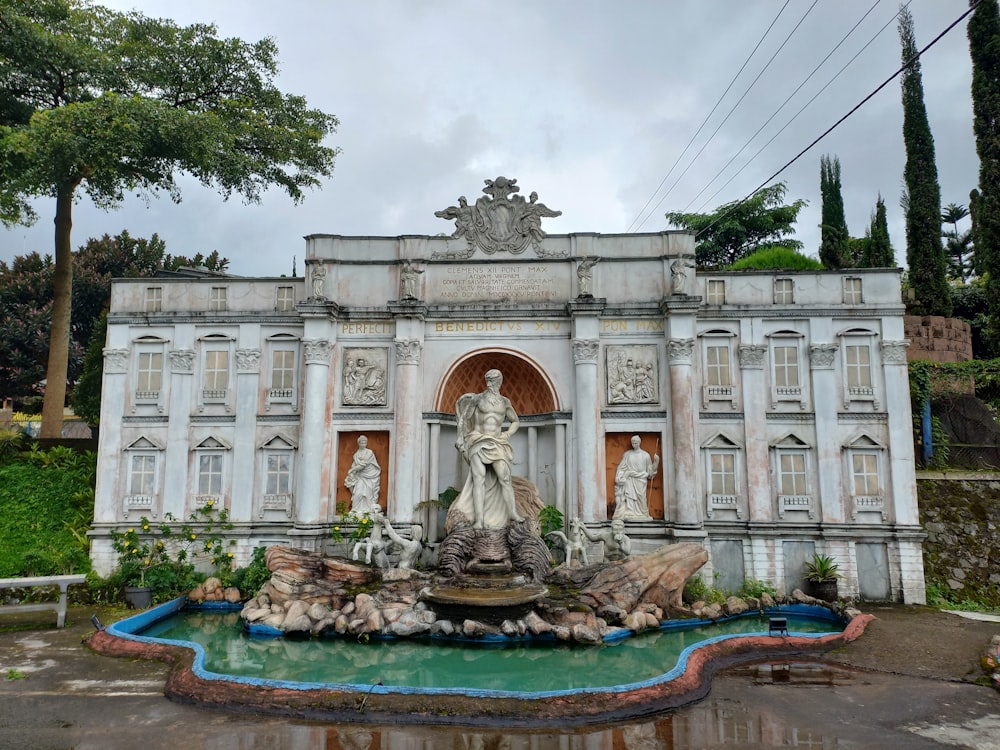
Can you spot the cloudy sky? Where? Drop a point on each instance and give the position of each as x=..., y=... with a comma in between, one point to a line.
x=604, y=108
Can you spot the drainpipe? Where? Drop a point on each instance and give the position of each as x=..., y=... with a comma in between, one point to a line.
x=925, y=425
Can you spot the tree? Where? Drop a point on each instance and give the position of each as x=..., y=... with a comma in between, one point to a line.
x=958, y=245
x=878, y=252
x=984, y=47
x=924, y=252
x=834, y=250
x=735, y=230
x=112, y=103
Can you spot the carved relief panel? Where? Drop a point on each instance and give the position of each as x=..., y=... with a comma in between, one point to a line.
x=632, y=375
x=365, y=377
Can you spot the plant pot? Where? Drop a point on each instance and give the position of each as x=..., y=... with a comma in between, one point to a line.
x=824, y=590
x=139, y=597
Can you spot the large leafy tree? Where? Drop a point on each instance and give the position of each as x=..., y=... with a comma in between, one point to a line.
x=736, y=230
x=834, y=248
x=984, y=47
x=111, y=103
x=925, y=256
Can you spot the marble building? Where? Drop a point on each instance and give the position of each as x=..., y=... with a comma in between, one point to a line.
x=777, y=403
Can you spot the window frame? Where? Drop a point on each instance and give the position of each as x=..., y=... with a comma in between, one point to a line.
x=867, y=447
x=858, y=394
x=152, y=347
x=853, y=296
x=721, y=446
x=715, y=292
x=215, y=344
x=787, y=295
x=146, y=503
x=278, y=446
x=719, y=393
x=285, y=344
x=787, y=447
x=153, y=299
x=218, y=299
x=787, y=340
x=215, y=448
x=284, y=305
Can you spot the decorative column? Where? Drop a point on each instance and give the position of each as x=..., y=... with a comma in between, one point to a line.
x=409, y=422
x=683, y=424
x=902, y=464
x=828, y=449
x=314, y=426
x=433, y=477
x=244, y=451
x=586, y=416
x=177, y=459
x=758, y=464
x=109, y=499
x=681, y=316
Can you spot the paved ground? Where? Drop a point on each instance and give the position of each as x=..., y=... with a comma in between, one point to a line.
x=906, y=683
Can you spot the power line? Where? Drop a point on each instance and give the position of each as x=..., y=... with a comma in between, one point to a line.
x=801, y=110
x=835, y=125
x=782, y=105
x=733, y=109
x=709, y=115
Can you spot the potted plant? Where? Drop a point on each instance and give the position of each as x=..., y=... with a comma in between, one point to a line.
x=136, y=557
x=822, y=573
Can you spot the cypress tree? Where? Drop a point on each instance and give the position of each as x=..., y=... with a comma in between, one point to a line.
x=984, y=47
x=833, y=249
x=928, y=267
x=878, y=250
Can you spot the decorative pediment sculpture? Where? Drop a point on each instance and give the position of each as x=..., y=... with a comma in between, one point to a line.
x=500, y=222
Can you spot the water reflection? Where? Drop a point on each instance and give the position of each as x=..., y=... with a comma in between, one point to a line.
x=706, y=725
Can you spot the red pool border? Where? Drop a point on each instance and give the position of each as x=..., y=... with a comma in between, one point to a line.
x=184, y=686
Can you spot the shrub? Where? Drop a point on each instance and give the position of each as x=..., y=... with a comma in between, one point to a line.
x=251, y=578
x=781, y=258
x=754, y=589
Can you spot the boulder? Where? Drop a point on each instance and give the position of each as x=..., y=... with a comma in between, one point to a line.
x=656, y=578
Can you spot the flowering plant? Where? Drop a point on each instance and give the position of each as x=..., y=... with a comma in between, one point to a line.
x=362, y=524
x=164, y=556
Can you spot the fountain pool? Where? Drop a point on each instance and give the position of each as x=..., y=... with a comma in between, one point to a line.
x=445, y=681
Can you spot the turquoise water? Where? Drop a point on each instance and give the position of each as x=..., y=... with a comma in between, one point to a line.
x=526, y=666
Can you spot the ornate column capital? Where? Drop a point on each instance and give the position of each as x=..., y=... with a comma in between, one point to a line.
x=181, y=360
x=248, y=360
x=679, y=351
x=115, y=360
x=752, y=356
x=408, y=351
x=317, y=351
x=894, y=352
x=821, y=356
x=585, y=351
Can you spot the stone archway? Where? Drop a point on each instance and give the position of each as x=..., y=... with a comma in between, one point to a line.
x=524, y=383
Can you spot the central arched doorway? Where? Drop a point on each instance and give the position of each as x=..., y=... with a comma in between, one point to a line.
x=540, y=443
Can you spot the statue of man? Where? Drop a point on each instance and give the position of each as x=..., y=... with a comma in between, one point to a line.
x=634, y=471
x=408, y=277
x=363, y=479
x=488, y=496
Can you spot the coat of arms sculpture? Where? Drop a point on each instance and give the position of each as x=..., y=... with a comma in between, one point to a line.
x=500, y=222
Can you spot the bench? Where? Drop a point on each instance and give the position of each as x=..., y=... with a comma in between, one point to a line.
x=26, y=583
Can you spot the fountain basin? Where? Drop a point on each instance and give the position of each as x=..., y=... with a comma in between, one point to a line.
x=689, y=680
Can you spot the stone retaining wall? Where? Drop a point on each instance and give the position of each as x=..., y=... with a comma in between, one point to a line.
x=937, y=339
x=961, y=514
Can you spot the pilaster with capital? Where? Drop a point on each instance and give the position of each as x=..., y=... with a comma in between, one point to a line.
x=753, y=382
x=408, y=406
x=308, y=502
x=244, y=451
x=902, y=462
x=589, y=451
x=830, y=499
x=680, y=329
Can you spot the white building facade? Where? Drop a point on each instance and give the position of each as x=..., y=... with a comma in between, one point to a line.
x=778, y=402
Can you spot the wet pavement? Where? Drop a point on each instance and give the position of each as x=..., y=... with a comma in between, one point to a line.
x=56, y=693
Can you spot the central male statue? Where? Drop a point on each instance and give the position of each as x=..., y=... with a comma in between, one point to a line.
x=488, y=496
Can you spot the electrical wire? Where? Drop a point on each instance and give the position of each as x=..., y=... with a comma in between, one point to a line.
x=729, y=114
x=782, y=105
x=801, y=110
x=835, y=125
x=708, y=116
